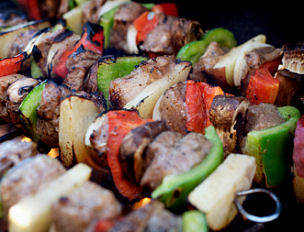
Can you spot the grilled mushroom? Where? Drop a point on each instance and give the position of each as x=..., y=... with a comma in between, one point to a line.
x=228, y=115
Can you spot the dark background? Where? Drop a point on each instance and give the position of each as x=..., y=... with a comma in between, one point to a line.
x=281, y=22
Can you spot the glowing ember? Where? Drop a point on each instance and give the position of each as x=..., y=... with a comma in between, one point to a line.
x=26, y=139
x=142, y=202
x=54, y=152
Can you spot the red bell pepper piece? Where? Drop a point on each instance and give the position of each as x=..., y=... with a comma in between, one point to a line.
x=196, y=113
x=262, y=88
x=272, y=66
x=121, y=122
x=91, y=39
x=208, y=95
x=31, y=7
x=144, y=24
x=11, y=65
x=199, y=97
x=166, y=8
x=298, y=149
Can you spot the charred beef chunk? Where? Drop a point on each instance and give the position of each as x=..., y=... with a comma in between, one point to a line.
x=11, y=18
x=26, y=178
x=123, y=18
x=171, y=34
x=228, y=115
x=171, y=154
x=173, y=109
x=122, y=90
x=83, y=208
x=78, y=65
x=151, y=217
x=132, y=148
x=14, y=151
x=207, y=62
x=262, y=116
x=90, y=82
x=5, y=82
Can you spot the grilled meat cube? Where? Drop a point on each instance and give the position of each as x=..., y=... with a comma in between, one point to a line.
x=228, y=115
x=171, y=154
x=84, y=207
x=78, y=65
x=123, y=18
x=131, y=153
x=20, y=41
x=27, y=177
x=173, y=109
x=207, y=62
x=151, y=217
x=262, y=116
x=14, y=151
x=122, y=90
x=90, y=84
x=171, y=34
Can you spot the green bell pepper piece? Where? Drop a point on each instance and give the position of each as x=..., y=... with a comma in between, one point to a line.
x=194, y=50
x=149, y=6
x=194, y=221
x=107, y=22
x=28, y=108
x=111, y=68
x=35, y=69
x=174, y=189
x=271, y=147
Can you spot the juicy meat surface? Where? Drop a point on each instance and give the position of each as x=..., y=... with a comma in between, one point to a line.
x=207, y=61
x=122, y=90
x=151, y=217
x=123, y=18
x=84, y=207
x=91, y=81
x=171, y=34
x=78, y=65
x=26, y=178
x=14, y=151
x=132, y=148
x=262, y=116
x=172, y=154
x=173, y=107
x=20, y=41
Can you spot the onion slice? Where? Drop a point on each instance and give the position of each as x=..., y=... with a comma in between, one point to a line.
x=109, y=5
x=241, y=67
x=131, y=40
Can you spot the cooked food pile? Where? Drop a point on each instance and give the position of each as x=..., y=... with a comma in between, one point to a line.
x=144, y=107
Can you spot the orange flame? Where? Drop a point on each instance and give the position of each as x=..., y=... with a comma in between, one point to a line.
x=54, y=152
x=142, y=203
